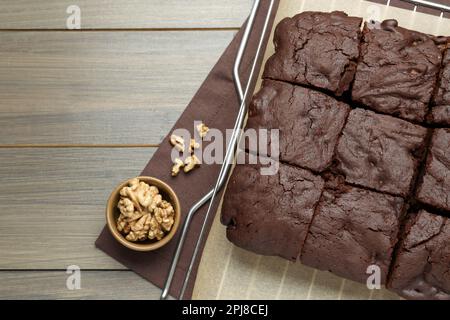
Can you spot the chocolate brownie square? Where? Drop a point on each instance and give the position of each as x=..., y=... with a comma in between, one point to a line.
x=434, y=189
x=422, y=265
x=316, y=49
x=270, y=214
x=397, y=71
x=353, y=229
x=310, y=123
x=440, y=113
x=380, y=152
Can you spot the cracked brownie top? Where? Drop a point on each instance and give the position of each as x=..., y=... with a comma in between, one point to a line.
x=421, y=269
x=310, y=122
x=380, y=152
x=397, y=71
x=353, y=229
x=316, y=49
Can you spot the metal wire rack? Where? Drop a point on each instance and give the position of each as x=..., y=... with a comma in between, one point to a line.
x=235, y=138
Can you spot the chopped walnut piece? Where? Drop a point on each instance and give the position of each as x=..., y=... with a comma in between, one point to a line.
x=177, y=142
x=202, y=130
x=177, y=166
x=190, y=163
x=193, y=145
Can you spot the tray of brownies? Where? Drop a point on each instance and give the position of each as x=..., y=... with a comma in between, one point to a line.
x=363, y=182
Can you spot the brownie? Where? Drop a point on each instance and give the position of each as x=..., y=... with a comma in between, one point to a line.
x=443, y=91
x=380, y=152
x=316, y=49
x=270, y=214
x=310, y=123
x=397, y=71
x=421, y=267
x=352, y=229
x=440, y=115
x=434, y=189
x=440, y=112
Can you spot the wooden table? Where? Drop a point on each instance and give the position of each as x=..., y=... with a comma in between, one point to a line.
x=81, y=111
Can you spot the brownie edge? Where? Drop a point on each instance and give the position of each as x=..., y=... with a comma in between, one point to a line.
x=353, y=229
x=434, y=189
x=421, y=267
x=270, y=214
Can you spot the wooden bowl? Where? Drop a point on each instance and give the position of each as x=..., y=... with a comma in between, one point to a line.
x=112, y=214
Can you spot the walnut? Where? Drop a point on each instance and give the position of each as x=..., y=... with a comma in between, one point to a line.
x=142, y=224
x=155, y=230
x=121, y=223
x=190, y=163
x=177, y=142
x=126, y=207
x=143, y=212
x=164, y=215
x=145, y=194
x=193, y=145
x=202, y=130
x=139, y=195
x=130, y=193
x=177, y=166
x=136, y=236
x=156, y=202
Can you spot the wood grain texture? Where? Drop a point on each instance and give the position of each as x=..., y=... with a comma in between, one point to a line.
x=130, y=14
x=94, y=285
x=100, y=87
x=52, y=204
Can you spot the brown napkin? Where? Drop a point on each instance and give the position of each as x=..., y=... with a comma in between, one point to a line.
x=216, y=104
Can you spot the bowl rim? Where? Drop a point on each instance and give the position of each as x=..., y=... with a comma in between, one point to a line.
x=136, y=246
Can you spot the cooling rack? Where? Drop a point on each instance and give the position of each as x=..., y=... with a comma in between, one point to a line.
x=243, y=94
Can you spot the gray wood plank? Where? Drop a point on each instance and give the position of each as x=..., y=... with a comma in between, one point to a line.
x=51, y=14
x=52, y=204
x=100, y=87
x=94, y=285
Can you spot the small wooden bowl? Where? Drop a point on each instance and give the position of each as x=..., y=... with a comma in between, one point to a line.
x=112, y=214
